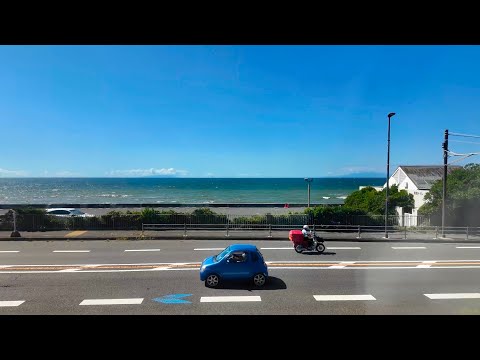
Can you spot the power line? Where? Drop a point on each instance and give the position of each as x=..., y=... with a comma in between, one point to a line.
x=466, y=142
x=457, y=154
x=465, y=135
x=462, y=158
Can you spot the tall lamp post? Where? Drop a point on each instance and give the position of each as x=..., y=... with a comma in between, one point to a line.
x=308, y=180
x=388, y=175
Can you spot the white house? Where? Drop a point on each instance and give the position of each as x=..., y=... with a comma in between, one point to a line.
x=416, y=180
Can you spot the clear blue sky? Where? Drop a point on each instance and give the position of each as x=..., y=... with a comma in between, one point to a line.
x=232, y=111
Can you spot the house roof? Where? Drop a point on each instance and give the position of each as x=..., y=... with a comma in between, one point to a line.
x=423, y=176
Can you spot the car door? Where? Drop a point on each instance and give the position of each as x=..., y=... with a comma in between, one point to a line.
x=236, y=266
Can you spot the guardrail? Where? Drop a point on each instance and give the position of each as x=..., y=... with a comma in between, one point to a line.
x=327, y=231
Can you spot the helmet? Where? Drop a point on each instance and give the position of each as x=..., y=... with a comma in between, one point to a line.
x=305, y=227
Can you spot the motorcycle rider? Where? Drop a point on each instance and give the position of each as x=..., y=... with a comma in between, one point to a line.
x=307, y=235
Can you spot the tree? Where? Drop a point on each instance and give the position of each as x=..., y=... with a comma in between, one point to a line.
x=463, y=198
x=373, y=202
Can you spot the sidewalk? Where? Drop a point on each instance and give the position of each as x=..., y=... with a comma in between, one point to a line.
x=409, y=236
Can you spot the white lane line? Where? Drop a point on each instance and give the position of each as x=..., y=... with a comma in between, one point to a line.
x=68, y=270
x=132, y=301
x=278, y=248
x=11, y=303
x=453, y=296
x=142, y=250
x=407, y=247
x=199, y=249
x=426, y=264
x=71, y=251
x=343, y=297
x=9, y=251
x=341, y=265
x=344, y=248
x=461, y=247
x=229, y=298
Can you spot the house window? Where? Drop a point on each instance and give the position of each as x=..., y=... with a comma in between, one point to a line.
x=406, y=185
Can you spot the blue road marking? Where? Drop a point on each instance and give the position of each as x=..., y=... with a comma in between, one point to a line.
x=173, y=299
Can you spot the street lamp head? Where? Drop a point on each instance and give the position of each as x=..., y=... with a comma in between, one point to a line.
x=308, y=179
x=390, y=115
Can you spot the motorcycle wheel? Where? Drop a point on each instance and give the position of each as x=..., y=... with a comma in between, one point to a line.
x=298, y=248
x=320, y=248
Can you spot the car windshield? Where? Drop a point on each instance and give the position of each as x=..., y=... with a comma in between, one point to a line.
x=222, y=254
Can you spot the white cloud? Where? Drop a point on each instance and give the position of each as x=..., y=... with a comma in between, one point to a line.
x=147, y=172
x=12, y=173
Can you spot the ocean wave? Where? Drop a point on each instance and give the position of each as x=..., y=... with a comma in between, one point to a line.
x=113, y=195
x=341, y=197
x=326, y=197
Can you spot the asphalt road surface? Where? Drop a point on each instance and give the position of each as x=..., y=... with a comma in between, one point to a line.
x=162, y=277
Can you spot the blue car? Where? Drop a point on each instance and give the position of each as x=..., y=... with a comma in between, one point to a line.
x=236, y=262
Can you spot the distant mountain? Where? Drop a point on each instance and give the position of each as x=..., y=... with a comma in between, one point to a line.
x=364, y=175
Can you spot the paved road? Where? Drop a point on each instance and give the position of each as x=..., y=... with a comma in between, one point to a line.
x=100, y=277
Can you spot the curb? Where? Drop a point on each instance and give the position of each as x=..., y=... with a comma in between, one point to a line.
x=131, y=238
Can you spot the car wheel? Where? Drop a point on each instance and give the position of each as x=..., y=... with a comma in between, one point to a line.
x=298, y=249
x=212, y=280
x=259, y=279
x=320, y=248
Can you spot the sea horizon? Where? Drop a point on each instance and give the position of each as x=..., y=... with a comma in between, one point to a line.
x=178, y=190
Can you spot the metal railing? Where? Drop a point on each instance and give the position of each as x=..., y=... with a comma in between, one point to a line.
x=352, y=226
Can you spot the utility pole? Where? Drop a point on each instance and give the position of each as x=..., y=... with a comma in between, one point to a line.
x=445, y=165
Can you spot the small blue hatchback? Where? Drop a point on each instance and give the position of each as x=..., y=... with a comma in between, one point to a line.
x=236, y=262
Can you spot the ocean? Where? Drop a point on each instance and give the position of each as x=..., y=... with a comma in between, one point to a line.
x=178, y=190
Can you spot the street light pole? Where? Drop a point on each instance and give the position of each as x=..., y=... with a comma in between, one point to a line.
x=388, y=176
x=308, y=180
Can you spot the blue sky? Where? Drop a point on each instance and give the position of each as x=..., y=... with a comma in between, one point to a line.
x=232, y=111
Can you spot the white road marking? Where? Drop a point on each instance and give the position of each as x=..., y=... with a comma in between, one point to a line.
x=132, y=301
x=468, y=247
x=279, y=248
x=11, y=303
x=69, y=270
x=199, y=249
x=9, y=251
x=341, y=265
x=142, y=250
x=344, y=248
x=230, y=298
x=453, y=296
x=407, y=247
x=71, y=251
x=426, y=264
x=273, y=269
x=343, y=297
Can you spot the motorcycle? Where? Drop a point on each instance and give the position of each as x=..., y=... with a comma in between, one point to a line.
x=300, y=244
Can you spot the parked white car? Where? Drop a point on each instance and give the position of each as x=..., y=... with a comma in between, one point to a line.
x=66, y=212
